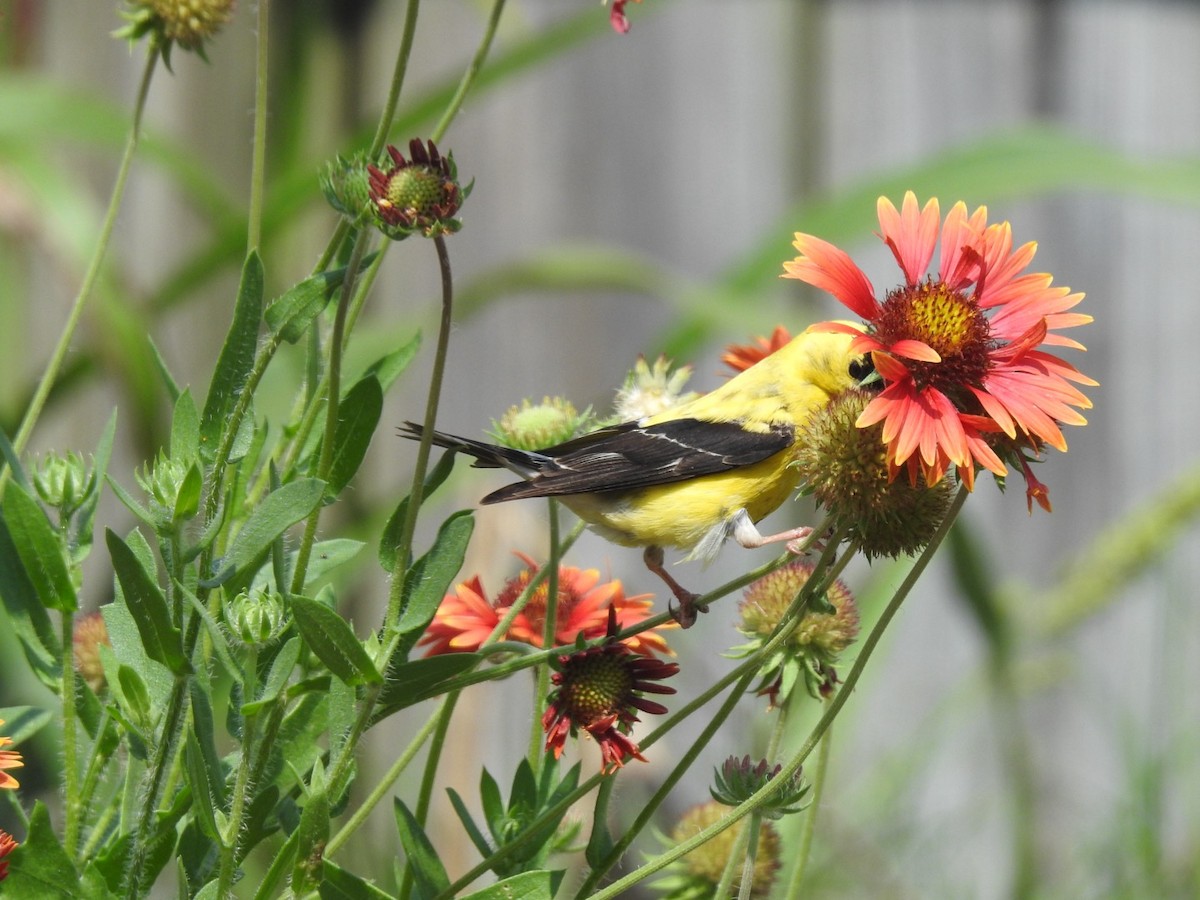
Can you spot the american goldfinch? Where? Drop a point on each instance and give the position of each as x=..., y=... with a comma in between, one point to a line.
x=694, y=475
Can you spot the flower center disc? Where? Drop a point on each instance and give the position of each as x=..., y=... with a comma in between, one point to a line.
x=949, y=322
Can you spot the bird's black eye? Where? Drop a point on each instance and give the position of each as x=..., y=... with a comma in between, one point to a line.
x=862, y=368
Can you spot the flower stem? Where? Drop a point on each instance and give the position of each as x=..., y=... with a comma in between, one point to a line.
x=421, y=466
x=792, y=766
x=332, y=403
x=810, y=816
x=241, y=786
x=685, y=762
x=38, y=401
x=398, y=72
x=549, y=631
x=258, y=163
x=385, y=785
x=70, y=737
x=752, y=829
x=468, y=79
x=737, y=854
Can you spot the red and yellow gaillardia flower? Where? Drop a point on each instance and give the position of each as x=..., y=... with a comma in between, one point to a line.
x=9, y=759
x=968, y=377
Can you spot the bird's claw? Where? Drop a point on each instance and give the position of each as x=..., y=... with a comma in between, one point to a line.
x=685, y=613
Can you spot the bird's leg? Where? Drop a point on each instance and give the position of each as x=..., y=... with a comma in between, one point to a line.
x=685, y=613
x=747, y=534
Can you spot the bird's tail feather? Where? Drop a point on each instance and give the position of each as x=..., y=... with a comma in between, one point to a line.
x=486, y=456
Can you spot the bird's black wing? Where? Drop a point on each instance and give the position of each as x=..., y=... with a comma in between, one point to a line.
x=626, y=457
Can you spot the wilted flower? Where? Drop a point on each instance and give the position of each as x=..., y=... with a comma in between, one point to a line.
x=599, y=690
x=968, y=382
x=89, y=634
x=535, y=426
x=616, y=16
x=188, y=23
x=650, y=390
x=466, y=617
x=9, y=759
x=697, y=874
x=828, y=626
x=420, y=194
x=7, y=846
x=740, y=357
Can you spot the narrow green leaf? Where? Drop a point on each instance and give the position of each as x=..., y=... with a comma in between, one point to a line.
x=27, y=617
x=468, y=822
x=40, y=869
x=358, y=415
x=390, y=539
x=131, y=504
x=313, y=835
x=338, y=884
x=216, y=634
x=327, y=556
x=288, y=316
x=330, y=637
x=187, y=501
x=9, y=455
x=185, y=428
x=164, y=371
x=133, y=697
x=237, y=355
x=40, y=550
x=430, y=577
x=278, y=511
x=537, y=885
x=146, y=603
x=277, y=677
x=23, y=722
x=391, y=366
x=428, y=872
x=411, y=681
x=494, y=812
x=81, y=525
x=202, y=789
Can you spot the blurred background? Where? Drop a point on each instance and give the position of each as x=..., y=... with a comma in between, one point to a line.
x=637, y=194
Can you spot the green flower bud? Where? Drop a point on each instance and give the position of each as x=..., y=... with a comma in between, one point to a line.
x=63, y=482
x=535, y=427
x=256, y=617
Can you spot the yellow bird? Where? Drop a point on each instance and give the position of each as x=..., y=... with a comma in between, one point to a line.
x=694, y=475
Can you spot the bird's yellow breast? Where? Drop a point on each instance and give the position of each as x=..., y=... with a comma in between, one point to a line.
x=681, y=514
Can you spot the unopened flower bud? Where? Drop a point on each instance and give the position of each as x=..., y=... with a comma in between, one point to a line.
x=846, y=468
x=651, y=389
x=256, y=617
x=63, y=481
x=698, y=873
x=537, y=426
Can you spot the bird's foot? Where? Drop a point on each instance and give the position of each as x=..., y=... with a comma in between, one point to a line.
x=685, y=613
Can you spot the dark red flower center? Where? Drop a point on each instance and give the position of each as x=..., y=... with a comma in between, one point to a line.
x=947, y=320
x=594, y=686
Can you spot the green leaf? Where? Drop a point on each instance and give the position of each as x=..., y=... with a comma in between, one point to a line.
x=358, y=415
x=187, y=501
x=27, y=617
x=289, y=315
x=313, y=834
x=428, y=872
x=132, y=504
x=237, y=355
x=23, y=722
x=216, y=634
x=477, y=837
x=80, y=536
x=538, y=885
x=391, y=366
x=330, y=637
x=390, y=539
x=277, y=677
x=326, y=556
x=133, y=697
x=338, y=884
x=148, y=606
x=412, y=681
x=164, y=371
x=9, y=455
x=278, y=511
x=185, y=428
x=40, y=869
x=430, y=577
x=40, y=550
x=202, y=787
